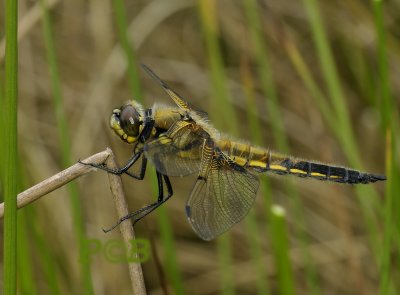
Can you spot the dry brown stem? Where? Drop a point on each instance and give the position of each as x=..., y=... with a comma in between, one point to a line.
x=60, y=179
x=54, y=182
x=126, y=228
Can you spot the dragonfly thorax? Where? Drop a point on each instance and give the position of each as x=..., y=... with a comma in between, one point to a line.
x=127, y=122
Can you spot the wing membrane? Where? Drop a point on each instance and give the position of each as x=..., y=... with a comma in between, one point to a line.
x=176, y=152
x=221, y=199
x=178, y=99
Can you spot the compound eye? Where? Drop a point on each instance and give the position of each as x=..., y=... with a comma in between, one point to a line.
x=130, y=120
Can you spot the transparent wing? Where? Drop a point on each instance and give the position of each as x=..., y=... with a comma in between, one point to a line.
x=178, y=100
x=222, y=198
x=176, y=152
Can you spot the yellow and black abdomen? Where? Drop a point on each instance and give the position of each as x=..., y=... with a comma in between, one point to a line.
x=281, y=164
x=262, y=160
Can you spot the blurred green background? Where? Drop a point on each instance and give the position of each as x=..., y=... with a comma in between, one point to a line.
x=314, y=80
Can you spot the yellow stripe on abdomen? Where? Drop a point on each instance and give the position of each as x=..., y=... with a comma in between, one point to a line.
x=245, y=155
x=298, y=171
x=257, y=164
x=263, y=160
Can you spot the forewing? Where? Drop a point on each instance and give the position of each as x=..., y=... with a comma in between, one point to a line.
x=221, y=199
x=178, y=100
x=176, y=152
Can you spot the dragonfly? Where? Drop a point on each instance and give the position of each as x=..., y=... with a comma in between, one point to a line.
x=179, y=140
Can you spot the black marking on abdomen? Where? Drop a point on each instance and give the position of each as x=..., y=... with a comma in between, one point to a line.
x=288, y=164
x=333, y=173
x=323, y=172
x=360, y=177
x=319, y=169
x=303, y=166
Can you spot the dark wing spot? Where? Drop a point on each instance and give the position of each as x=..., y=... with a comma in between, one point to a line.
x=188, y=211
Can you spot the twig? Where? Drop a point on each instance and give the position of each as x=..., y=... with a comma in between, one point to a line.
x=60, y=179
x=126, y=228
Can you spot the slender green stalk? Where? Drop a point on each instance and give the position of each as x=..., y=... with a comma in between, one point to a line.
x=26, y=280
x=266, y=78
x=9, y=175
x=281, y=251
x=171, y=265
x=1, y=89
x=226, y=119
x=2, y=146
x=311, y=84
x=224, y=250
x=268, y=87
x=220, y=98
x=63, y=133
x=252, y=228
x=46, y=256
x=384, y=93
x=167, y=236
x=386, y=103
x=331, y=76
x=389, y=230
x=322, y=102
x=122, y=25
x=253, y=236
x=343, y=130
x=363, y=74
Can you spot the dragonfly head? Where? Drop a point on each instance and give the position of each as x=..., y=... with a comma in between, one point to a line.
x=127, y=121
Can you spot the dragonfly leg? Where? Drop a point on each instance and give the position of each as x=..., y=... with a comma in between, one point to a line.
x=142, y=170
x=139, y=214
x=123, y=169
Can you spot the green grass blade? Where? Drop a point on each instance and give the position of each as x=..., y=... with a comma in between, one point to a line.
x=256, y=251
x=10, y=174
x=267, y=82
x=224, y=250
x=269, y=91
x=386, y=100
x=122, y=26
x=256, y=136
x=172, y=269
x=331, y=77
x=343, y=130
x=46, y=257
x=389, y=225
x=2, y=146
x=171, y=262
x=305, y=74
x=63, y=133
x=281, y=251
x=363, y=74
x=220, y=99
x=386, y=103
x=26, y=279
x=225, y=120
